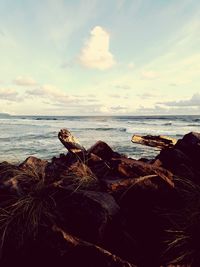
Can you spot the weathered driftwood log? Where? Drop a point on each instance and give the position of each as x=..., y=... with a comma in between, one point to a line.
x=158, y=141
x=70, y=142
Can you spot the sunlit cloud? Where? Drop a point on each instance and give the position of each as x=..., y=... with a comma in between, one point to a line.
x=24, y=81
x=8, y=94
x=194, y=101
x=149, y=75
x=50, y=92
x=95, y=54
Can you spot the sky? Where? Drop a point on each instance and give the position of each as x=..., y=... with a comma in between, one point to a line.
x=99, y=57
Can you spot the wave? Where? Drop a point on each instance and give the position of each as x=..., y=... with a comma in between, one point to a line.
x=167, y=124
x=194, y=125
x=29, y=137
x=46, y=119
x=100, y=129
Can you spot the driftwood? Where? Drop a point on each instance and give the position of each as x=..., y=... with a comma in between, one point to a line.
x=158, y=141
x=70, y=142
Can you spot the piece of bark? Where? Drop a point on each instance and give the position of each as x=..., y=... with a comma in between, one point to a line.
x=158, y=141
x=70, y=142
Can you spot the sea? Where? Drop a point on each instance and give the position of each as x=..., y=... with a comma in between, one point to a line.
x=23, y=136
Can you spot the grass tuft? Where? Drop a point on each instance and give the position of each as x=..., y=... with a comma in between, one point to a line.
x=183, y=237
x=31, y=207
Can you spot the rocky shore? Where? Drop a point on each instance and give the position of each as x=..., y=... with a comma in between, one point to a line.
x=98, y=208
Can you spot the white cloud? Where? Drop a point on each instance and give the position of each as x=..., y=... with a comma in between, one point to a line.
x=149, y=75
x=24, y=81
x=95, y=54
x=8, y=94
x=194, y=101
x=112, y=109
x=131, y=65
x=50, y=92
x=159, y=110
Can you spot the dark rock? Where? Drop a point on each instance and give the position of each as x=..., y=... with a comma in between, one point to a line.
x=190, y=146
x=140, y=204
x=85, y=214
x=9, y=187
x=180, y=163
x=86, y=254
x=102, y=150
x=35, y=164
x=99, y=167
x=130, y=168
x=58, y=166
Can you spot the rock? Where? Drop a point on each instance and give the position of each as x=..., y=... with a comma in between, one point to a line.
x=130, y=168
x=6, y=169
x=83, y=253
x=99, y=167
x=140, y=203
x=190, y=146
x=38, y=166
x=8, y=181
x=172, y=157
x=85, y=214
x=158, y=141
x=184, y=159
x=80, y=176
x=56, y=247
x=102, y=150
x=59, y=166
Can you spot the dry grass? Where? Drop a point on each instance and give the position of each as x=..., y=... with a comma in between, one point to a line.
x=80, y=176
x=31, y=207
x=183, y=237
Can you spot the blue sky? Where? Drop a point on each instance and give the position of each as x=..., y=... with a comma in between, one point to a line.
x=100, y=57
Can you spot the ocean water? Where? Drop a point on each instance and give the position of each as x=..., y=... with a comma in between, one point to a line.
x=22, y=136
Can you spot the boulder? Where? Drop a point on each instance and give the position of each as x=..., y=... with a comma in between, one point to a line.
x=38, y=166
x=100, y=167
x=184, y=158
x=190, y=146
x=130, y=168
x=85, y=214
x=83, y=253
x=102, y=150
x=140, y=205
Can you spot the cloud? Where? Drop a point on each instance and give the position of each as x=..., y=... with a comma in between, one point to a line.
x=8, y=94
x=112, y=109
x=24, y=81
x=173, y=84
x=160, y=110
x=155, y=110
x=123, y=86
x=95, y=54
x=147, y=95
x=194, y=101
x=131, y=65
x=118, y=108
x=149, y=75
x=50, y=92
